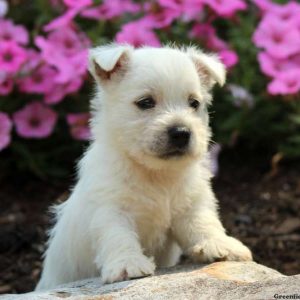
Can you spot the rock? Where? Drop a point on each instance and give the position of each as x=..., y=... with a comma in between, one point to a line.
x=221, y=280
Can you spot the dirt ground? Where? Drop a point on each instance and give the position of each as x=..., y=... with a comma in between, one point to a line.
x=262, y=211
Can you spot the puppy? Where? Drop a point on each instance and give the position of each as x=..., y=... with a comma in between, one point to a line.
x=144, y=194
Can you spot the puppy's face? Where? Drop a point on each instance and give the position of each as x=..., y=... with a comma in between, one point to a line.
x=154, y=102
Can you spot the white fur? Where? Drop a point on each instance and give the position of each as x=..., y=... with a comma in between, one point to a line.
x=132, y=210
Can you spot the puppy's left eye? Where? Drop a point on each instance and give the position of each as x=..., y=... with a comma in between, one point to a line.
x=194, y=103
x=145, y=103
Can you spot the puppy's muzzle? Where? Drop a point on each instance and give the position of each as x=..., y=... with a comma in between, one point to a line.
x=179, y=137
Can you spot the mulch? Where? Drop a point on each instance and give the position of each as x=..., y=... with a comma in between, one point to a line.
x=259, y=209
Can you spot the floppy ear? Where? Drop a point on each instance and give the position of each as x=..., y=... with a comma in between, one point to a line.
x=209, y=67
x=107, y=61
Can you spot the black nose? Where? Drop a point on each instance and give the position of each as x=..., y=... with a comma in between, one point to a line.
x=179, y=136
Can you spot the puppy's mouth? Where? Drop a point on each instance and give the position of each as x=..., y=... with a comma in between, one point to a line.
x=173, y=154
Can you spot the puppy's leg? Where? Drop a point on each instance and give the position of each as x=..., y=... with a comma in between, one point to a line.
x=202, y=236
x=169, y=256
x=119, y=255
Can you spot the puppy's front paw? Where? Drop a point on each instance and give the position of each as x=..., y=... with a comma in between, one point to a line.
x=220, y=248
x=126, y=268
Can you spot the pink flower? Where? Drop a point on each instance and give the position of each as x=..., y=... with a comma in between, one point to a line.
x=278, y=38
x=5, y=129
x=189, y=9
x=264, y=5
x=207, y=35
x=228, y=57
x=74, y=7
x=202, y=31
x=35, y=120
x=137, y=35
x=289, y=12
x=171, y=4
x=12, y=56
x=78, y=3
x=79, y=126
x=73, y=67
x=6, y=85
x=66, y=42
x=192, y=9
x=279, y=35
x=273, y=66
x=63, y=20
x=286, y=83
x=66, y=51
x=159, y=15
x=226, y=8
x=34, y=59
x=110, y=9
x=58, y=93
x=40, y=81
x=10, y=32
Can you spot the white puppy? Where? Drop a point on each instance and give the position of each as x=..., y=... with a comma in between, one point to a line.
x=144, y=192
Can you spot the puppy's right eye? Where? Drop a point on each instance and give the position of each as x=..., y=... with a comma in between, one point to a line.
x=145, y=103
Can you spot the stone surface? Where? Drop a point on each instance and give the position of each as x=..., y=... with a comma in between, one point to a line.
x=221, y=280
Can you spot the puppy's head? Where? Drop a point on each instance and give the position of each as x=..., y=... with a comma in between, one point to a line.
x=154, y=101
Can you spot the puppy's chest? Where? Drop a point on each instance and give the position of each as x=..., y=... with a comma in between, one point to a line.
x=152, y=209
